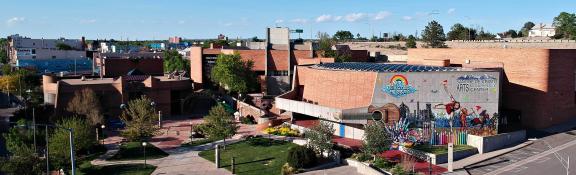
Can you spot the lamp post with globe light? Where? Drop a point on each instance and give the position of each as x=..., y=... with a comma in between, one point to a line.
x=144, y=146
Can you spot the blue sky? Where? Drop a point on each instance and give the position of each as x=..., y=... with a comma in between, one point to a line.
x=146, y=19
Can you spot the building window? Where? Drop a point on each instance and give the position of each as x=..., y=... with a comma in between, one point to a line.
x=33, y=51
x=33, y=57
x=277, y=73
x=53, y=57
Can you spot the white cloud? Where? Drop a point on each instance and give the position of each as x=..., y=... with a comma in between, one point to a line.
x=451, y=11
x=353, y=17
x=87, y=21
x=181, y=22
x=381, y=15
x=300, y=20
x=337, y=18
x=15, y=20
x=279, y=21
x=324, y=18
x=407, y=18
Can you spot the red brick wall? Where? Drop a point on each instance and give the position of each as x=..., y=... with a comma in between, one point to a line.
x=346, y=89
x=119, y=67
x=541, y=81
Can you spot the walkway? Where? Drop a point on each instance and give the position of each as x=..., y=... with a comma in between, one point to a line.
x=341, y=170
x=181, y=160
x=419, y=166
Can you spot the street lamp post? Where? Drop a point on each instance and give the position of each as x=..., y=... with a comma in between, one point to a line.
x=270, y=135
x=144, y=145
x=98, y=135
x=33, y=118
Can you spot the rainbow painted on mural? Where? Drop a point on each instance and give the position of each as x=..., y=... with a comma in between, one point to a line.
x=400, y=78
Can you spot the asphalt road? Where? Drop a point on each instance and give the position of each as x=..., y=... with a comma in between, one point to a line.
x=535, y=159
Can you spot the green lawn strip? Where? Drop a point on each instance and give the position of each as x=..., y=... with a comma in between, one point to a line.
x=135, y=151
x=199, y=142
x=253, y=159
x=441, y=149
x=126, y=169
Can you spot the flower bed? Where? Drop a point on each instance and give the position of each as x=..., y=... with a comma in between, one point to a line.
x=282, y=130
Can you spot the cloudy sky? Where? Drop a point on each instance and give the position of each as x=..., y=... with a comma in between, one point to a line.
x=147, y=19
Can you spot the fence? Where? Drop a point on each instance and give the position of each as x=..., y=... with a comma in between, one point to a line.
x=443, y=137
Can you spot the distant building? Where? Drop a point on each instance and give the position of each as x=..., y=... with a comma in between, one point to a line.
x=49, y=55
x=274, y=60
x=157, y=46
x=174, y=40
x=120, y=64
x=542, y=30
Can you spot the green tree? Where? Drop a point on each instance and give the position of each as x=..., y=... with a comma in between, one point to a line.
x=22, y=159
x=398, y=37
x=511, y=33
x=565, y=24
x=343, y=35
x=3, y=56
x=485, y=35
x=86, y=103
x=22, y=162
x=526, y=28
x=255, y=39
x=459, y=32
x=234, y=74
x=320, y=137
x=376, y=138
x=84, y=140
x=6, y=69
x=173, y=61
x=411, y=42
x=62, y=46
x=434, y=35
x=219, y=124
x=140, y=120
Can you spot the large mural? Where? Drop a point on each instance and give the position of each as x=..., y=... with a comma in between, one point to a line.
x=437, y=107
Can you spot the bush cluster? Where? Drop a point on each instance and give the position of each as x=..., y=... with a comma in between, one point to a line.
x=247, y=120
x=301, y=157
x=282, y=130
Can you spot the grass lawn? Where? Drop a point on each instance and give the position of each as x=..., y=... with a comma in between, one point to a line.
x=127, y=169
x=265, y=159
x=441, y=149
x=135, y=151
x=199, y=142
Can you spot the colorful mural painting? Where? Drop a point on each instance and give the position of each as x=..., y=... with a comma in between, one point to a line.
x=398, y=87
x=462, y=103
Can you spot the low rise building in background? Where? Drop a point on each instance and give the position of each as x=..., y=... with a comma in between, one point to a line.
x=49, y=55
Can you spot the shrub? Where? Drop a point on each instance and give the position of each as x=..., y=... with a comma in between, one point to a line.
x=383, y=163
x=247, y=120
x=259, y=141
x=288, y=170
x=398, y=170
x=362, y=157
x=301, y=157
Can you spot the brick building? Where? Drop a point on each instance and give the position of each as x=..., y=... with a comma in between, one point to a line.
x=167, y=92
x=352, y=94
x=538, y=84
x=273, y=63
x=120, y=64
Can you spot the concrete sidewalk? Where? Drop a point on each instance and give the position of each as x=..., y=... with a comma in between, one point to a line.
x=460, y=164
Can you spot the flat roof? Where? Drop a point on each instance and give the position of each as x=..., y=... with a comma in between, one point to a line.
x=377, y=67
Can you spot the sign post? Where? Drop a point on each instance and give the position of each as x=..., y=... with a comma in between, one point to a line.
x=450, y=156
